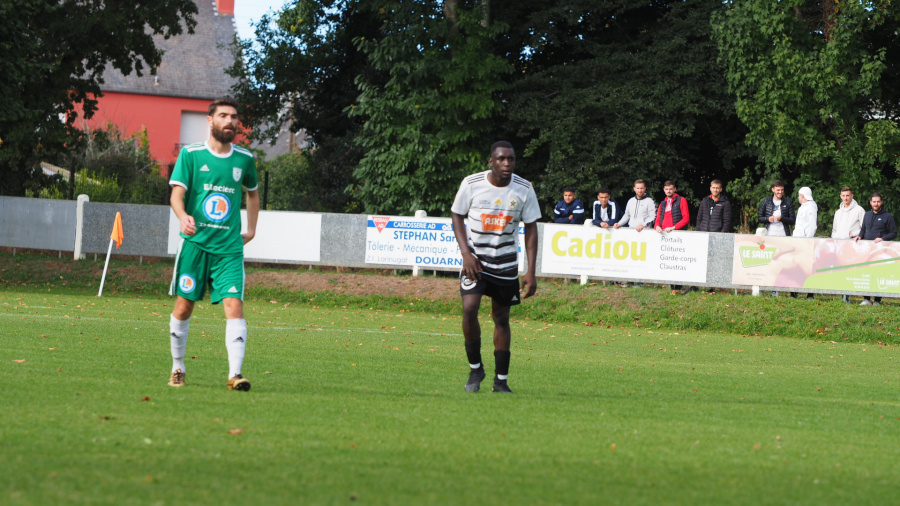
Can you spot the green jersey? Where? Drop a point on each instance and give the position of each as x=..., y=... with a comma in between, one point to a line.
x=213, y=197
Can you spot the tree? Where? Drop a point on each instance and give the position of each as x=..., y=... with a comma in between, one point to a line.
x=52, y=58
x=430, y=123
x=300, y=71
x=815, y=83
x=608, y=92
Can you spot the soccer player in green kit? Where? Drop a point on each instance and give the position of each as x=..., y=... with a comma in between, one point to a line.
x=206, y=198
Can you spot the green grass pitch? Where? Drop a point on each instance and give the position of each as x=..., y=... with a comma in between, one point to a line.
x=358, y=405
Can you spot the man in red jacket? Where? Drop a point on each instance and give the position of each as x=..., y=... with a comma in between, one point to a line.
x=673, y=211
x=672, y=214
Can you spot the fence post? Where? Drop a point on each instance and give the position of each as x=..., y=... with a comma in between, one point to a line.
x=79, y=225
x=419, y=214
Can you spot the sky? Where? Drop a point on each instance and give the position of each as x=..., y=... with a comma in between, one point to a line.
x=247, y=12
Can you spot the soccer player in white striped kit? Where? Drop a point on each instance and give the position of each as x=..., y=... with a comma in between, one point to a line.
x=486, y=215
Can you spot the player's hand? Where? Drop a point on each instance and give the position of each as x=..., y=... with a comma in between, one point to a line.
x=187, y=225
x=639, y=228
x=604, y=224
x=669, y=229
x=248, y=236
x=659, y=229
x=529, y=286
x=877, y=240
x=471, y=267
x=616, y=225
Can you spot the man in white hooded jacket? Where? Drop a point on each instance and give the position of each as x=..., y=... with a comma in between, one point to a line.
x=805, y=226
x=848, y=218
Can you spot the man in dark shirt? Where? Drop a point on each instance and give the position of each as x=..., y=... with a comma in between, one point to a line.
x=877, y=225
x=569, y=209
x=714, y=214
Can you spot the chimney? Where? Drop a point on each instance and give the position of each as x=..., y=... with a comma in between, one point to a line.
x=225, y=7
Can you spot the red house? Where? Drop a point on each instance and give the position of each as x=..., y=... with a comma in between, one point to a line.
x=173, y=104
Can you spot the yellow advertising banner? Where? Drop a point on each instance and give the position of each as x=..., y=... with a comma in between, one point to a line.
x=625, y=253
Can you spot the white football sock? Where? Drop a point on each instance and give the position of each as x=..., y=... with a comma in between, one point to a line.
x=178, y=334
x=502, y=376
x=475, y=366
x=235, y=342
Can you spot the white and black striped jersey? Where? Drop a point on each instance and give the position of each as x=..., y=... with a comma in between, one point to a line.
x=492, y=220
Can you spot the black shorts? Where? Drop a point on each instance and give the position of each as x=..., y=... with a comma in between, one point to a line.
x=504, y=291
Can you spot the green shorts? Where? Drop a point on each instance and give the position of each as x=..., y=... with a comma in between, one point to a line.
x=195, y=268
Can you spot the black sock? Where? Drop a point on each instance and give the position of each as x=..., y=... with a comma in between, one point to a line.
x=501, y=358
x=473, y=352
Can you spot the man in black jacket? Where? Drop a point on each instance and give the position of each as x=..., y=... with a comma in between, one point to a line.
x=877, y=225
x=714, y=214
x=776, y=213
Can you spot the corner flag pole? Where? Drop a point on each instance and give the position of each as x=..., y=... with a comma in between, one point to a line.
x=117, y=236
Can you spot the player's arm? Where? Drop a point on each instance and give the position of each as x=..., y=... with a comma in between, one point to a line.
x=471, y=266
x=188, y=227
x=531, y=243
x=252, y=215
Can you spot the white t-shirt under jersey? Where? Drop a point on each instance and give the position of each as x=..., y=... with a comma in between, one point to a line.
x=492, y=216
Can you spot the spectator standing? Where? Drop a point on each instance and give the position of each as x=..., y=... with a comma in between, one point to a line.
x=806, y=220
x=847, y=220
x=714, y=214
x=672, y=214
x=776, y=213
x=569, y=209
x=639, y=209
x=605, y=211
x=878, y=225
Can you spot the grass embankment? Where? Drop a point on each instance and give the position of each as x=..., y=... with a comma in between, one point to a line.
x=825, y=318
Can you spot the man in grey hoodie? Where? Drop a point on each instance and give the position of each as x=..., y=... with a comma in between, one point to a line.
x=847, y=220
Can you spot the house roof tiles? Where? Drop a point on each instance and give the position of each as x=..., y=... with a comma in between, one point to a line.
x=193, y=65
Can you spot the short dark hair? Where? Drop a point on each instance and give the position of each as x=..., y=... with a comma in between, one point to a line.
x=502, y=144
x=604, y=190
x=640, y=181
x=876, y=194
x=568, y=189
x=222, y=101
x=716, y=181
x=846, y=189
x=777, y=182
x=668, y=183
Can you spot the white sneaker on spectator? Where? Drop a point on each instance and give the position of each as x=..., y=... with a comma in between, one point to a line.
x=865, y=302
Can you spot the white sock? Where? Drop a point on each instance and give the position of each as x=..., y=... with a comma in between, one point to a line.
x=178, y=334
x=235, y=341
x=475, y=366
x=502, y=376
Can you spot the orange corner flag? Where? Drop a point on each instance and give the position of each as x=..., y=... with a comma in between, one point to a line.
x=117, y=234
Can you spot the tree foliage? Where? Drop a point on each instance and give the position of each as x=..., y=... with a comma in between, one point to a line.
x=52, y=58
x=608, y=92
x=427, y=126
x=591, y=93
x=815, y=83
x=300, y=71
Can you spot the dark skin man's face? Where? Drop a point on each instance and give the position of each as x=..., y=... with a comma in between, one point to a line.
x=503, y=164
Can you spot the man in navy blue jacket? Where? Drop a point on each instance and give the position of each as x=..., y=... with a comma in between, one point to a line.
x=606, y=212
x=569, y=209
x=877, y=225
